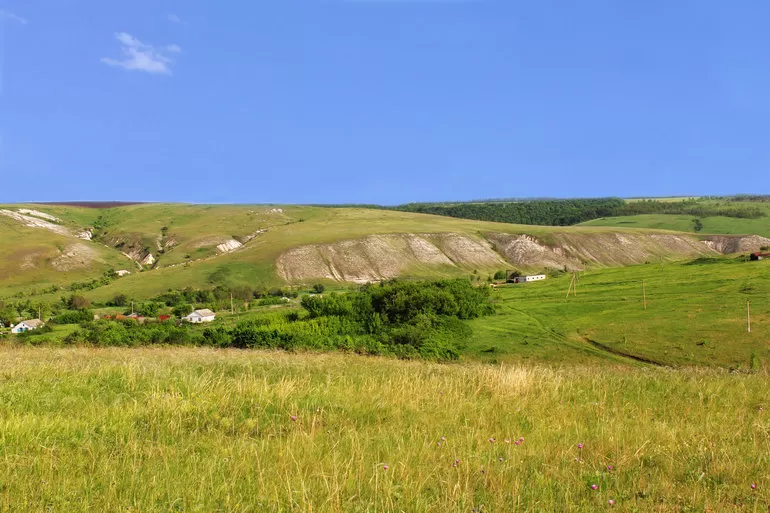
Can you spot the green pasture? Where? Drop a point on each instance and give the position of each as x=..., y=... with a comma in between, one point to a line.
x=696, y=315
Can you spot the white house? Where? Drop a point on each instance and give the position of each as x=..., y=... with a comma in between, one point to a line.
x=199, y=316
x=122, y=272
x=24, y=326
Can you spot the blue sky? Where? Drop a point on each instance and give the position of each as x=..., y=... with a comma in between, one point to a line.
x=381, y=101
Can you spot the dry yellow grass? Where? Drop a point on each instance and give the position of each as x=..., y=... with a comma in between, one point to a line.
x=170, y=429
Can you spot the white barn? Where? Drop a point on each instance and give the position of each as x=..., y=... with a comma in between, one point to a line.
x=25, y=326
x=199, y=316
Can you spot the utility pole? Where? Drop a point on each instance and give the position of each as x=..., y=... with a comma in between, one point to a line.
x=571, y=281
x=232, y=310
x=575, y=278
x=748, y=315
x=644, y=295
x=132, y=308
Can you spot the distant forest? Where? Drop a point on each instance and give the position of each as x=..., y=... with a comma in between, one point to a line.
x=552, y=212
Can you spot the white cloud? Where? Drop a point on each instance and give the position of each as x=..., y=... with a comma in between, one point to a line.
x=8, y=15
x=138, y=56
x=173, y=18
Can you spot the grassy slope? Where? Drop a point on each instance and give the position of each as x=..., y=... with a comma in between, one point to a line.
x=26, y=255
x=696, y=315
x=156, y=430
x=711, y=225
x=255, y=264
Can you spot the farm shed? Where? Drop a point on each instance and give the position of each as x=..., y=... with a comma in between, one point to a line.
x=760, y=256
x=527, y=279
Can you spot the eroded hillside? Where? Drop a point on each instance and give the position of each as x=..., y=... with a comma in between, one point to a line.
x=378, y=257
x=199, y=245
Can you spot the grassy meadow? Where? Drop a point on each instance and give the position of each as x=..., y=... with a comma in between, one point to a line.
x=684, y=223
x=162, y=429
x=668, y=402
x=696, y=315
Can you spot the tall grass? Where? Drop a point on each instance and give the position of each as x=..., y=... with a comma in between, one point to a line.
x=183, y=429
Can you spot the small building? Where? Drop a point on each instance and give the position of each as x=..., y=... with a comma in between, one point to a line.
x=199, y=316
x=527, y=279
x=760, y=256
x=122, y=272
x=25, y=326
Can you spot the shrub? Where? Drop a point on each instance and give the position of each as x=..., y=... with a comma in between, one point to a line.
x=183, y=310
x=73, y=317
x=78, y=302
x=118, y=300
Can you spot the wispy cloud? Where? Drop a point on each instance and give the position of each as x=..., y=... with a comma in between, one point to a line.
x=139, y=56
x=173, y=18
x=8, y=15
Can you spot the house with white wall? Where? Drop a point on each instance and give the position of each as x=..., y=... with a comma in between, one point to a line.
x=25, y=326
x=527, y=279
x=198, y=316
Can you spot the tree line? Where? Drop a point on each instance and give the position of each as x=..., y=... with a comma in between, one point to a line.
x=574, y=211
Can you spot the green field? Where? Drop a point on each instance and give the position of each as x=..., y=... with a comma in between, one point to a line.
x=668, y=401
x=157, y=430
x=684, y=223
x=696, y=315
x=711, y=225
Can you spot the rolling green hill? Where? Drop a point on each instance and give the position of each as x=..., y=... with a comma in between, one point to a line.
x=722, y=225
x=177, y=245
x=695, y=310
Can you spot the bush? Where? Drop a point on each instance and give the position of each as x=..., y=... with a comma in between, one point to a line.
x=183, y=310
x=73, y=317
x=150, y=309
x=78, y=302
x=318, y=288
x=270, y=301
x=118, y=300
